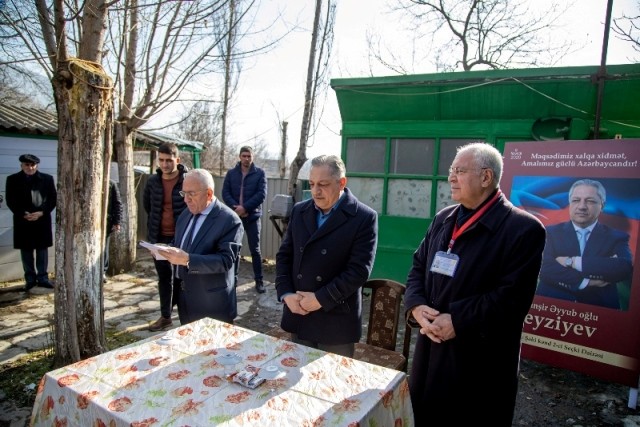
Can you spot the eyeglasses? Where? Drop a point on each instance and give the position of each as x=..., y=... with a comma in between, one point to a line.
x=190, y=194
x=461, y=171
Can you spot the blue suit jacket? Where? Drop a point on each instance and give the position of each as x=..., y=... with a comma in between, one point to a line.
x=209, y=287
x=333, y=261
x=606, y=256
x=254, y=192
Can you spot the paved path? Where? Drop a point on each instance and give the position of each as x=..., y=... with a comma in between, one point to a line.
x=131, y=302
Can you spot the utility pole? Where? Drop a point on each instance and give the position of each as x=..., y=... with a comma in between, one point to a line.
x=282, y=164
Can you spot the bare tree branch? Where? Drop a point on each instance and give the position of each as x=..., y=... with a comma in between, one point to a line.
x=466, y=34
x=627, y=28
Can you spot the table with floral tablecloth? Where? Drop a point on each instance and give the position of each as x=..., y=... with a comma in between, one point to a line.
x=179, y=379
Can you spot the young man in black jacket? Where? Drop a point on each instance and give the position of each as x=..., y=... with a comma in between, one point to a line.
x=163, y=204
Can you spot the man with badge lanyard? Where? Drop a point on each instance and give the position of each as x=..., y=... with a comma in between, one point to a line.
x=471, y=284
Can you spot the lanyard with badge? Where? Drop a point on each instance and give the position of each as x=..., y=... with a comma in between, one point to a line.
x=447, y=262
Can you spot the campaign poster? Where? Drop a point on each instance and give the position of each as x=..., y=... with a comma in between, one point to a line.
x=586, y=313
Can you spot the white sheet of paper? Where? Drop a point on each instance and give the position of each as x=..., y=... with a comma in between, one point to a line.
x=154, y=248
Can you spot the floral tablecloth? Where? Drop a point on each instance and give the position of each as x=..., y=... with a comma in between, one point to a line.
x=177, y=379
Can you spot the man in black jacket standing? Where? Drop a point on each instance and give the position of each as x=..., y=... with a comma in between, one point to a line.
x=163, y=204
x=114, y=217
x=31, y=196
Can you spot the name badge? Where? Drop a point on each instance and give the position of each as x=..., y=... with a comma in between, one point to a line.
x=445, y=263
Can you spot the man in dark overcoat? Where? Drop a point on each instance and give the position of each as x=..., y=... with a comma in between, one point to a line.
x=326, y=256
x=471, y=285
x=31, y=197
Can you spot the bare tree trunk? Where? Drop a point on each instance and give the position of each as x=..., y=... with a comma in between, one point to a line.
x=125, y=241
x=301, y=156
x=282, y=163
x=123, y=259
x=83, y=99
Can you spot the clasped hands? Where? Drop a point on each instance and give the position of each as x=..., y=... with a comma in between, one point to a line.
x=435, y=325
x=302, y=302
x=241, y=211
x=33, y=216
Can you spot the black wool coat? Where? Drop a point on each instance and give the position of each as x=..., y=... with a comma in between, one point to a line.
x=34, y=194
x=333, y=261
x=472, y=379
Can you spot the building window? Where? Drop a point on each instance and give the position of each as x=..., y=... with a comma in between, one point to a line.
x=374, y=166
x=448, y=150
x=366, y=155
x=409, y=198
x=412, y=156
x=368, y=190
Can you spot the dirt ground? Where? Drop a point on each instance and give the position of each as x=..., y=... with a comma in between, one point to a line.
x=549, y=396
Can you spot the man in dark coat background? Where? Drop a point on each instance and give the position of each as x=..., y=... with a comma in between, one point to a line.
x=243, y=190
x=325, y=257
x=114, y=218
x=31, y=197
x=471, y=285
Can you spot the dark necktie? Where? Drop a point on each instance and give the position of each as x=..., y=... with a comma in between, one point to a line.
x=186, y=245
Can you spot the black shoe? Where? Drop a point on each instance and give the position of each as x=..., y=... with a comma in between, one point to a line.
x=46, y=284
x=28, y=287
x=260, y=287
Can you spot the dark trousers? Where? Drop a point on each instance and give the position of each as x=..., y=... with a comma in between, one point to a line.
x=341, y=349
x=107, y=240
x=252, y=230
x=39, y=273
x=166, y=289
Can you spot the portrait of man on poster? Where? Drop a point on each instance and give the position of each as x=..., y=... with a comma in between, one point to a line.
x=585, y=260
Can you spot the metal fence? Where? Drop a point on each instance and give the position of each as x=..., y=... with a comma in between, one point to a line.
x=269, y=237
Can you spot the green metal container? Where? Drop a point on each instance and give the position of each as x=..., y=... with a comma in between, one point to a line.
x=400, y=134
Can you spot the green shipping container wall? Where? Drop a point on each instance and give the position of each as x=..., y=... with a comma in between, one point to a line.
x=400, y=134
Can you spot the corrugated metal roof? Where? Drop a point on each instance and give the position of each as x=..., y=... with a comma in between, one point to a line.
x=33, y=121
x=38, y=121
x=157, y=138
